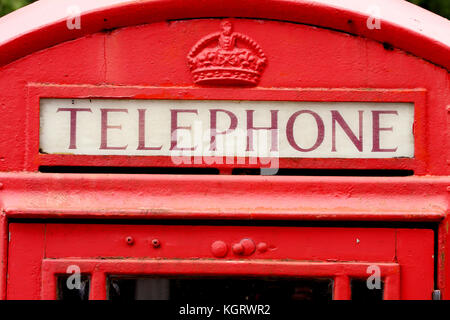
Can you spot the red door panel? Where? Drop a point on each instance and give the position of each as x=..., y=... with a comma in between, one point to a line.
x=333, y=244
x=101, y=251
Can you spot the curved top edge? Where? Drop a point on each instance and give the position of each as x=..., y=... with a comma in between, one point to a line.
x=401, y=24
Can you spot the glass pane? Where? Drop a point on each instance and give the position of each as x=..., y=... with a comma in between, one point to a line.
x=362, y=292
x=70, y=288
x=219, y=289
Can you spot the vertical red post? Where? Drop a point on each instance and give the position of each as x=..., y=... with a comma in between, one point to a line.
x=342, y=290
x=3, y=254
x=392, y=287
x=98, y=286
x=48, y=283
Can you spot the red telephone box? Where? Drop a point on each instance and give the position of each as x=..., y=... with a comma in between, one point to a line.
x=116, y=118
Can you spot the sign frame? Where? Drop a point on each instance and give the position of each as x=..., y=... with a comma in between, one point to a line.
x=36, y=91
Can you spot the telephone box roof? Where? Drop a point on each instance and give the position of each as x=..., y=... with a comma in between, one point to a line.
x=403, y=25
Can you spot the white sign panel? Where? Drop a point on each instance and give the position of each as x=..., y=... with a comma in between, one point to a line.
x=286, y=129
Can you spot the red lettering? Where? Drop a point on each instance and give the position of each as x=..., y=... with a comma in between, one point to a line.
x=141, y=145
x=73, y=124
x=105, y=127
x=213, y=125
x=337, y=118
x=174, y=127
x=273, y=129
x=290, y=131
x=376, y=130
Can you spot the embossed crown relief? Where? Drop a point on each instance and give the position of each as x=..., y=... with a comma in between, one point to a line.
x=227, y=58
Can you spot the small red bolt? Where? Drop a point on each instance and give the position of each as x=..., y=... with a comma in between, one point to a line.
x=249, y=246
x=262, y=247
x=245, y=247
x=219, y=249
x=129, y=240
x=156, y=243
x=238, y=248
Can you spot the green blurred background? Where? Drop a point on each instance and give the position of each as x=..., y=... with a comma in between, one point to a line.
x=441, y=7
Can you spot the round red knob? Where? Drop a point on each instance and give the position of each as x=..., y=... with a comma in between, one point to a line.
x=249, y=246
x=238, y=248
x=219, y=249
x=262, y=247
x=245, y=247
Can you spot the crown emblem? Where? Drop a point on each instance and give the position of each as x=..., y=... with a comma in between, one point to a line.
x=227, y=58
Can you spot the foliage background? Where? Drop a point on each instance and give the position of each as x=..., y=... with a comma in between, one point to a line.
x=441, y=7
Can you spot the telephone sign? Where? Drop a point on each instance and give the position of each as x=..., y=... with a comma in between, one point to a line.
x=136, y=135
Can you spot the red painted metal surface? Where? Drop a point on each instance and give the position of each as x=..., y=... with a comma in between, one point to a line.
x=405, y=257
x=115, y=71
x=3, y=254
x=124, y=196
x=317, y=51
x=415, y=30
x=101, y=268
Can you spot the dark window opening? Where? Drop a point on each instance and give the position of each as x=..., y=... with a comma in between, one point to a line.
x=363, y=291
x=219, y=289
x=324, y=172
x=127, y=170
x=69, y=288
x=235, y=171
